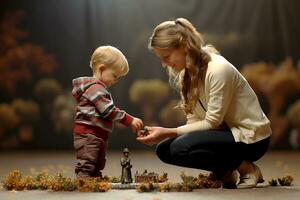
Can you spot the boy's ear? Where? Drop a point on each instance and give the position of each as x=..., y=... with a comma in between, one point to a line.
x=101, y=66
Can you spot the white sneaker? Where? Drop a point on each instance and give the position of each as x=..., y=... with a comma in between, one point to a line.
x=251, y=179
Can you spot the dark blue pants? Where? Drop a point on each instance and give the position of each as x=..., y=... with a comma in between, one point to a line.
x=212, y=150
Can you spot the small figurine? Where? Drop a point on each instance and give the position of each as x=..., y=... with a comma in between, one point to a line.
x=126, y=167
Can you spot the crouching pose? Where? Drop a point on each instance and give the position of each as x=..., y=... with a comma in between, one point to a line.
x=226, y=130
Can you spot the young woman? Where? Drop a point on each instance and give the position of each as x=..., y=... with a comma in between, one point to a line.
x=226, y=129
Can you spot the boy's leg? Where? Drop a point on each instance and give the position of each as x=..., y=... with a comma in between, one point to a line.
x=87, y=148
x=101, y=159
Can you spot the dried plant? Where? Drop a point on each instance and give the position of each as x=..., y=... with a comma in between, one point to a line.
x=149, y=95
x=273, y=182
x=147, y=187
x=21, y=63
x=8, y=118
x=61, y=183
x=63, y=113
x=42, y=181
x=163, y=178
x=47, y=89
x=92, y=185
x=27, y=110
x=277, y=84
x=171, y=115
x=19, y=60
x=286, y=180
x=14, y=181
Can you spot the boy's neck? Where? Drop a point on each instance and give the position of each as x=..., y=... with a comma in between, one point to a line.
x=99, y=80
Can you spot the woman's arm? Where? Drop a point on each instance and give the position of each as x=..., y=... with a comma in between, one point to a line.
x=220, y=84
x=157, y=134
x=191, y=118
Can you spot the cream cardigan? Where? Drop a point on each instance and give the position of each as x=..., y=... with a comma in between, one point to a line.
x=227, y=96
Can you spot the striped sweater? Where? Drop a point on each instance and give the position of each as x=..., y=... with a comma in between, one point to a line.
x=95, y=110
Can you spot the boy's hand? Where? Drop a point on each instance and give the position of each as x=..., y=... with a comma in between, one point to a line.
x=136, y=124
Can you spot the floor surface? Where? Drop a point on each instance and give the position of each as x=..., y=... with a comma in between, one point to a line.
x=273, y=165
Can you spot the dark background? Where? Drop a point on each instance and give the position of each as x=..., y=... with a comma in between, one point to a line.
x=244, y=31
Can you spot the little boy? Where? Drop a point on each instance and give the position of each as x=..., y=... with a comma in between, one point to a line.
x=95, y=110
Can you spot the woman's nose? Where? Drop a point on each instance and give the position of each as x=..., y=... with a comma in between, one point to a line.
x=167, y=63
x=170, y=65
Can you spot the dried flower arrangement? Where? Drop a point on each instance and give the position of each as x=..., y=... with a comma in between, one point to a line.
x=188, y=184
x=24, y=67
x=15, y=181
x=43, y=181
x=284, y=181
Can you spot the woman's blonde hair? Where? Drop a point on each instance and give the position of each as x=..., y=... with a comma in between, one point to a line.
x=111, y=57
x=172, y=34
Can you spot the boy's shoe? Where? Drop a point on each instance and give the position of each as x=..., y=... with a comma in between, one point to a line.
x=230, y=179
x=81, y=175
x=251, y=179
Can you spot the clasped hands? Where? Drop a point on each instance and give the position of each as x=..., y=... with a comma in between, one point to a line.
x=151, y=135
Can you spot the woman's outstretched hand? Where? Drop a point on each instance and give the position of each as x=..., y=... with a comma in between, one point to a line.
x=155, y=135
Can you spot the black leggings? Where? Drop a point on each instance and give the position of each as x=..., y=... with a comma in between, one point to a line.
x=212, y=150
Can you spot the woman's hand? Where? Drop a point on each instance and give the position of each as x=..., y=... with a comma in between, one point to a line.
x=156, y=134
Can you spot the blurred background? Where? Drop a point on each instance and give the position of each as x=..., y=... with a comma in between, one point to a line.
x=44, y=44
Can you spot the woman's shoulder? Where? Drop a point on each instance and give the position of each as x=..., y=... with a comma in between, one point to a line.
x=219, y=66
x=218, y=60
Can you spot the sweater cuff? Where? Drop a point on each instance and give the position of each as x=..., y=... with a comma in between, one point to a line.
x=194, y=127
x=181, y=130
x=127, y=120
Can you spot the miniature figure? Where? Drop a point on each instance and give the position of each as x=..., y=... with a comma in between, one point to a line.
x=126, y=167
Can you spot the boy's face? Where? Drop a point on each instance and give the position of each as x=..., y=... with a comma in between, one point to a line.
x=109, y=76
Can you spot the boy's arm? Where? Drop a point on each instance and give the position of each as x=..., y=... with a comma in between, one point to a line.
x=100, y=97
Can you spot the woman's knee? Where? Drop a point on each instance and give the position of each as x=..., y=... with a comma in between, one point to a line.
x=163, y=150
x=178, y=148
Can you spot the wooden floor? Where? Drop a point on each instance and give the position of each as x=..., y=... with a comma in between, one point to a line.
x=273, y=165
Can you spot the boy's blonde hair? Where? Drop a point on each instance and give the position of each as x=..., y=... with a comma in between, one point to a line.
x=172, y=34
x=111, y=57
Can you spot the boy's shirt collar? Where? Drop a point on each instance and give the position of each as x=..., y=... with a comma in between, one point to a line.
x=100, y=82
